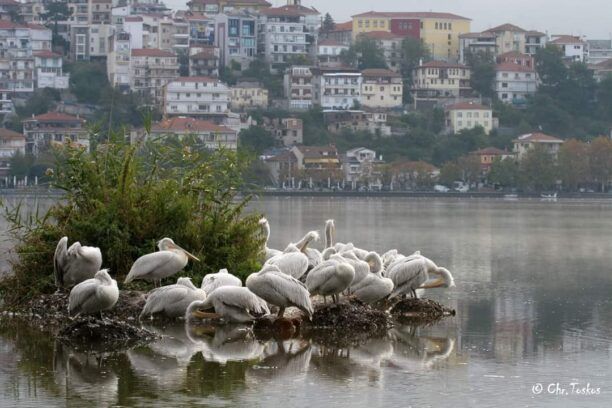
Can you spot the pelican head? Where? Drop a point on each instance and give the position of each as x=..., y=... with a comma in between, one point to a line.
x=103, y=276
x=167, y=244
x=375, y=262
x=328, y=252
x=197, y=310
x=311, y=236
x=291, y=248
x=330, y=232
x=445, y=280
x=265, y=228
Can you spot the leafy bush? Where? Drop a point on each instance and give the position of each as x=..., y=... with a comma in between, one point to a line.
x=123, y=198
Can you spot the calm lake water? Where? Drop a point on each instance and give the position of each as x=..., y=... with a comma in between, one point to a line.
x=533, y=301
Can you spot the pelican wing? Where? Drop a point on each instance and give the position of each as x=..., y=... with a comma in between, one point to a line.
x=408, y=275
x=148, y=263
x=290, y=288
x=240, y=297
x=165, y=297
x=80, y=294
x=58, y=261
x=294, y=264
x=320, y=275
x=216, y=280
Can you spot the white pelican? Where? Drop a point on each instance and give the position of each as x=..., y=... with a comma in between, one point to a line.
x=413, y=272
x=93, y=295
x=373, y=287
x=330, y=233
x=75, y=264
x=170, y=259
x=213, y=281
x=313, y=254
x=172, y=300
x=265, y=231
x=330, y=277
x=280, y=289
x=291, y=262
x=388, y=257
x=231, y=303
x=330, y=237
x=362, y=268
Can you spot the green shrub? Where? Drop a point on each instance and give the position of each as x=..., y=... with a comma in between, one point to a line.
x=123, y=198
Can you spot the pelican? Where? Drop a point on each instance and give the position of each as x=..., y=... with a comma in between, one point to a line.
x=313, y=254
x=213, y=281
x=75, y=264
x=331, y=277
x=291, y=262
x=373, y=287
x=93, y=295
x=330, y=237
x=170, y=259
x=330, y=232
x=232, y=303
x=414, y=272
x=388, y=257
x=280, y=289
x=172, y=300
x=265, y=231
x=362, y=268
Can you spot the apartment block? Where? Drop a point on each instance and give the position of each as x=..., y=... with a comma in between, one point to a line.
x=42, y=131
x=200, y=97
x=150, y=70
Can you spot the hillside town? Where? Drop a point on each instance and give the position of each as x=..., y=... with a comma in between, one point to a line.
x=397, y=101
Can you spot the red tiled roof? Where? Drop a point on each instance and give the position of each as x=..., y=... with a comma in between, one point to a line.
x=513, y=54
x=566, y=39
x=131, y=19
x=512, y=67
x=46, y=54
x=8, y=134
x=348, y=26
x=381, y=35
x=151, y=52
x=538, y=137
x=506, y=27
x=292, y=11
x=9, y=25
x=474, y=35
x=603, y=65
x=55, y=117
x=417, y=14
x=379, y=72
x=234, y=3
x=206, y=52
x=535, y=33
x=467, y=106
x=184, y=124
x=33, y=26
x=285, y=156
x=491, y=151
x=441, y=64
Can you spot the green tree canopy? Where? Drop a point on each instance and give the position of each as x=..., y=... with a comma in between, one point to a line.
x=328, y=23
x=88, y=81
x=365, y=53
x=482, y=65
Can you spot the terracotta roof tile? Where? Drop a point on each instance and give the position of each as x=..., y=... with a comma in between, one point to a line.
x=417, y=14
x=379, y=72
x=55, y=117
x=441, y=64
x=566, y=39
x=381, y=35
x=512, y=67
x=492, y=151
x=182, y=124
x=292, y=11
x=506, y=27
x=8, y=134
x=538, y=137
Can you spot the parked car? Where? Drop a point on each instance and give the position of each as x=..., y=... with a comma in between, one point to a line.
x=463, y=189
x=439, y=188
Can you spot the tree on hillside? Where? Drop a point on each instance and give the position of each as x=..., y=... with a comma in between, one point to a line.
x=600, y=161
x=87, y=81
x=482, y=65
x=552, y=72
x=537, y=169
x=573, y=163
x=256, y=139
x=504, y=173
x=604, y=98
x=55, y=12
x=328, y=23
x=41, y=101
x=469, y=165
x=413, y=52
x=364, y=54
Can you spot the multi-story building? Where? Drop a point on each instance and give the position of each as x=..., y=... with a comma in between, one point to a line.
x=373, y=121
x=42, y=131
x=508, y=37
x=468, y=115
x=236, y=37
x=340, y=88
x=9, y=8
x=476, y=43
x=288, y=33
x=574, y=49
x=204, y=61
x=599, y=50
x=329, y=51
x=11, y=143
x=158, y=31
x=488, y=155
x=48, y=72
x=361, y=165
x=208, y=134
x=321, y=164
x=500, y=40
x=515, y=57
x=200, y=97
x=150, y=70
x=534, y=40
x=437, y=81
x=213, y=7
x=381, y=88
x=282, y=167
x=342, y=33
x=288, y=131
x=118, y=61
x=31, y=11
x=248, y=95
x=300, y=88
x=439, y=31
x=514, y=82
x=200, y=29
x=391, y=44
x=524, y=143
x=602, y=70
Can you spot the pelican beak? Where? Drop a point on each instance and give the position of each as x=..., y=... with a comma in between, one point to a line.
x=204, y=315
x=189, y=254
x=435, y=284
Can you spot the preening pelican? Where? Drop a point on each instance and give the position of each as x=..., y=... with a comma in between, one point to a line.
x=330, y=238
x=362, y=268
x=414, y=272
x=93, y=295
x=313, y=254
x=388, y=258
x=331, y=277
x=75, y=264
x=232, y=303
x=291, y=262
x=172, y=300
x=280, y=289
x=213, y=281
x=373, y=287
x=330, y=233
x=170, y=259
x=265, y=231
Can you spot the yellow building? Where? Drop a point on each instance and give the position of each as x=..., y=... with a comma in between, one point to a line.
x=439, y=31
x=467, y=115
x=381, y=88
x=248, y=95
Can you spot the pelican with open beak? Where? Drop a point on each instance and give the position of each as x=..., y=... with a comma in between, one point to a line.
x=169, y=260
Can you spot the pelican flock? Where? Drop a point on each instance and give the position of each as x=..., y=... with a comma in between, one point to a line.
x=288, y=278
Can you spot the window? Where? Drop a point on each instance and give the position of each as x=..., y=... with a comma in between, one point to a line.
x=436, y=25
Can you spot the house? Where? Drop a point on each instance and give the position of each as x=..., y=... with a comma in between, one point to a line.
x=248, y=95
x=236, y=37
x=150, y=70
x=477, y=43
x=382, y=89
x=599, y=51
x=361, y=165
x=371, y=121
x=41, y=131
x=299, y=86
x=204, y=61
x=505, y=38
x=340, y=88
x=439, y=31
x=514, y=83
x=287, y=33
x=515, y=57
x=436, y=81
x=319, y=163
x=49, y=70
x=11, y=143
x=534, y=40
x=602, y=70
x=488, y=155
x=118, y=61
x=524, y=143
x=288, y=131
x=283, y=167
x=468, y=115
x=328, y=54
x=207, y=134
x=508, y=37
x=200, y=97
x=342, y=33
x=391, y=45
x=8, y=9
x=213, y=7
x=574, y=48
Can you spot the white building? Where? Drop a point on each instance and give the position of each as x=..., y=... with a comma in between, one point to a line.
x=200, y=97
x=299, y=84
x=526, y=142
x=236, y=37
x=49, y=70
x=340, y=89
x=514, y=82
x=150, y=70
x=118, y=61
x=11, y=143
x=329, y=51
x=574, y=48
x=467, y=115
x=359, y=166
x=599, y=50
